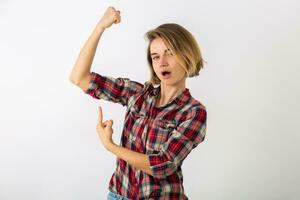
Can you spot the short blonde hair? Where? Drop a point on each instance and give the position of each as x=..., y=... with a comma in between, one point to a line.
x=183, y=45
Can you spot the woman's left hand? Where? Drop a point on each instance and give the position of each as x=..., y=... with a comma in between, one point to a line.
x=105, y=130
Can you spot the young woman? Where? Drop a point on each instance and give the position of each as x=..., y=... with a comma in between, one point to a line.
x=162, y=124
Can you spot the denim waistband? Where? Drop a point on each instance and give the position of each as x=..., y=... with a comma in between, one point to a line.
x=114, y=196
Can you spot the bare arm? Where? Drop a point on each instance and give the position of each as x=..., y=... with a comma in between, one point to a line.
x=84, y=61
x=81, y=71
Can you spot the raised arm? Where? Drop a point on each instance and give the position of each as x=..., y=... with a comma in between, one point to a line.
x=81, y=72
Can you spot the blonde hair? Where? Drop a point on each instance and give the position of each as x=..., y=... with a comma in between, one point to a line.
x=182, y=44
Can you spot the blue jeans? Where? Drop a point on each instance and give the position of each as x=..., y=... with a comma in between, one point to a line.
x=114, y=196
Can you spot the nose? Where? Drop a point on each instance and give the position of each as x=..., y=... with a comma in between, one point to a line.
x=163, y=61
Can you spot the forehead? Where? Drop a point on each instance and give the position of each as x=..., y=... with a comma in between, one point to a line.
x=157, y=45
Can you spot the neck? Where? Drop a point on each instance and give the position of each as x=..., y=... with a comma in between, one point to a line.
x=168, y=93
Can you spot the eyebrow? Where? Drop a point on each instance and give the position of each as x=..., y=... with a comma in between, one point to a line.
x=157, y=53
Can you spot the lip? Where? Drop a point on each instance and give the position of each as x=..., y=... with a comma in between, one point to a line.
x=166, y=76
x=164, y=71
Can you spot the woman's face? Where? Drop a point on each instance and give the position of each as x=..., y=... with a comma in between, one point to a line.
x=166, y=67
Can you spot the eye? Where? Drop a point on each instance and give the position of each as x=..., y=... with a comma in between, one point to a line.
x=155, y=57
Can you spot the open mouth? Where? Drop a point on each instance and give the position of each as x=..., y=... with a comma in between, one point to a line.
x=166, y=74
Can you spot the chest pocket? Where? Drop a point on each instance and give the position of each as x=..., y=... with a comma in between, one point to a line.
x=158, y=134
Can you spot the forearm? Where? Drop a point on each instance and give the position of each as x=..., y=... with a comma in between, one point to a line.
x=85, y=58
x=137, y=160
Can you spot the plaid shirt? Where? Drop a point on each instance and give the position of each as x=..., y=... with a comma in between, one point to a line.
x=165, y=134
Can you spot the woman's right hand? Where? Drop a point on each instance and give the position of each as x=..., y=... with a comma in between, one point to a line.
x=110, y=16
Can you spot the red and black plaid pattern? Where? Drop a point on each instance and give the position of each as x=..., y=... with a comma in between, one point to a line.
x=166, y=134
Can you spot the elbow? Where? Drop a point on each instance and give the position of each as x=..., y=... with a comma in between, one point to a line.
x=73, y=80
x=74, y=77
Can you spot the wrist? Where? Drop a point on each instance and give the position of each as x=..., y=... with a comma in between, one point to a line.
x=100, y=29
x=101, y=26
x=110, y=146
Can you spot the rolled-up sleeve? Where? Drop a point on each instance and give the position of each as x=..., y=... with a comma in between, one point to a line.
x=117, y=90
x=182, y=140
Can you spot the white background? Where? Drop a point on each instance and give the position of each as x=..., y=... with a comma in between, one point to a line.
x=49, y=148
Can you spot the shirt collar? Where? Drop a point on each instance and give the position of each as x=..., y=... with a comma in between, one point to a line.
x=179, y=100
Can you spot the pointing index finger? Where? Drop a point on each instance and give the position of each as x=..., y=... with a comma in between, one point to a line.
x=100, y=115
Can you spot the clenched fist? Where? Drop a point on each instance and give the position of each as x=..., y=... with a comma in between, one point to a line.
x=110, y=16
